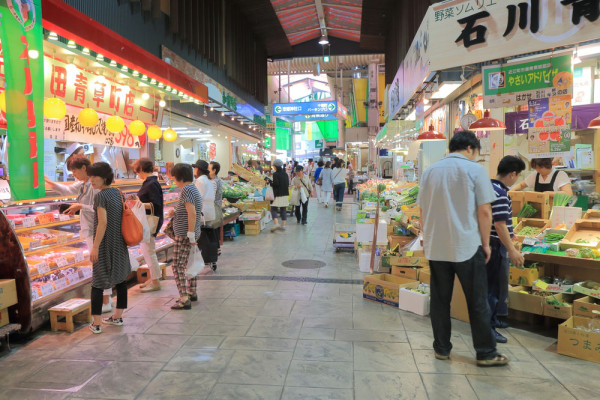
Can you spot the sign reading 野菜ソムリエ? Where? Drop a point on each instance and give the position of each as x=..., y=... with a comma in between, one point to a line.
x=81, y=88
x=22, y=46
x=70, y=129
x=515, y=84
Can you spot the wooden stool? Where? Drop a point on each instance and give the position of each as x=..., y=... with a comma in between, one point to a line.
x=143, y=273
x=79, y=310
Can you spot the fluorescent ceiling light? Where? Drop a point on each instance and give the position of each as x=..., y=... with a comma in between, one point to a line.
x=180, y=128
x=445, y=90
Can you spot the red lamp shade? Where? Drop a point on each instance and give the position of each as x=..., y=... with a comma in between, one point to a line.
x=487, y=123
x=431, y=134
x=595, y=123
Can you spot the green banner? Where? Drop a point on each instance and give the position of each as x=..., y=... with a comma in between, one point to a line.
x=267, y=142
x=329, y=130
x=283, y=140
x=510, y=85
x=22, y=47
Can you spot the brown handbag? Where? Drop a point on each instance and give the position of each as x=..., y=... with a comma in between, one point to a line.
x=131, y=227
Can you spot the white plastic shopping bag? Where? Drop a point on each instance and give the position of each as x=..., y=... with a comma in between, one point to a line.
x=303, y=196
x=269, y=194
x=195, y=262
x=140, y=213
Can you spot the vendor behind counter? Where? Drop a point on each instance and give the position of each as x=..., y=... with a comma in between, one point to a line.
x=546, y=178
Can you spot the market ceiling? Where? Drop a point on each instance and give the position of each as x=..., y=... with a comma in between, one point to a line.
x=292, y=28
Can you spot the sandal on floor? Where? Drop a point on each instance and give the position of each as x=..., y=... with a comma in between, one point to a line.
x=442, y=357
x=497, y=361
x=180, y=305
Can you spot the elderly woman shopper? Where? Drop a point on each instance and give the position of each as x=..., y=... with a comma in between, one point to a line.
x=301, y=193
x=151, y=196
x=338, y=175
x=326, y=184
x=79, y=164
x=281, y=191
x=186, y=228
x=109, y=253
x=214, y=168
x=208, y=242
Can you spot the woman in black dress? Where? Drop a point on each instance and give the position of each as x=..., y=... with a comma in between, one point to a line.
x=109, y=253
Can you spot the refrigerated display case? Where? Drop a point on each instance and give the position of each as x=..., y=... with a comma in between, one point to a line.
x=41, y=249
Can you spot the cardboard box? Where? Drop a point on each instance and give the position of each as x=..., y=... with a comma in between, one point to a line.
x=4, y=317
x=578, y=343
x=414, y=302
x=560, y=312
x=539, y=201
x=541, y=224
x=565, y=215
x=8, y=293
x=525, y=276
x=367, y=245
x=521, y=301
x=541, y=286
x=364, y=232
x=458, y=305
x=584, y=230
x=404, y=261
x=406, y=272
x=425, y=276
x=580, y=288
x=253, y=215
x=587, y=306
x=518, y=200
x=385, y=288
x=253, y=227
x=592, y=214
x=399, y=240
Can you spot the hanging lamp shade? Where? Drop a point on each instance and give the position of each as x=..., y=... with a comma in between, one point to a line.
x=137, y=128
x=595, y=123
x=55, y=108
x=431, y=134
x=88, y=117
x=487, y=123
x=115, y=124
x=154, y=132
x=169, y=135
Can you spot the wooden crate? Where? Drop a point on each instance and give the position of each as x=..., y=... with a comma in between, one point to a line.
x=592, y=214
x=518, y=200
x=533, y=222
x=539, y=201
x=588, y=230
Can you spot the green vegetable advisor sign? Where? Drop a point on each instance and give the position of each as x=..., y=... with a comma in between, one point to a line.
x=22, y=48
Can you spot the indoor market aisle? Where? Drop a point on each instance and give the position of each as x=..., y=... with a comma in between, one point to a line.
x=264, y=331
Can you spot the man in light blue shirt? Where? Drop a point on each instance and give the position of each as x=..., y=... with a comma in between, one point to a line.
x=455, y=197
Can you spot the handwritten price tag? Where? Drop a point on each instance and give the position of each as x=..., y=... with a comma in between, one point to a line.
x=541, y=284
x=34, y=244
x=47, y=289
x=46, y=218
x=43, y=268
x=529, y=241
x=63, y=239
x=79, y=257
x=64, y=217
x=61, y=262
x=87, y=272
x=73, y=278
x=60, y=283
x=34, y=294
x=28, y=222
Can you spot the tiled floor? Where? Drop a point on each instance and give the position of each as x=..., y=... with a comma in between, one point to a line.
x=269, y=338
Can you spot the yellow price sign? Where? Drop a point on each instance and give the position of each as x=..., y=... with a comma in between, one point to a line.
x=541, y=284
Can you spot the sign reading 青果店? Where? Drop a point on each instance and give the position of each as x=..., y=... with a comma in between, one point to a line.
x=22, y=48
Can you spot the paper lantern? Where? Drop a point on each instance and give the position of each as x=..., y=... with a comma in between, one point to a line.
x=3, y=101
x=88, y=117
x=55, y=108
x=169, y=135
x=154, y=132
x=115, y=124
x=137, y=128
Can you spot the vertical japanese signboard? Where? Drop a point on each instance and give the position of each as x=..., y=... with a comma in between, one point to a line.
x=22, y=46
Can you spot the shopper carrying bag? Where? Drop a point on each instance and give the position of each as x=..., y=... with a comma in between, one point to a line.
x=208, y=241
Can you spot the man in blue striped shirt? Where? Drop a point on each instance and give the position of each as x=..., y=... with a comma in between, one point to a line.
x=503, y=249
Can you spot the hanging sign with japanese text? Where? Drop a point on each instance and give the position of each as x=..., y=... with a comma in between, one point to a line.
x=69, y=129
x=515, y=84
x=82, y=88
x=549, y=133
x=22, y=45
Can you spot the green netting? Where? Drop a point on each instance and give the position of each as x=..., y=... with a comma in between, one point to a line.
x=283, y=139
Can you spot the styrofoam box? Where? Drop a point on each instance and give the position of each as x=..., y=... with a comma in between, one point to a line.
x=364, y=260
x=364, y=232
x=414, y=302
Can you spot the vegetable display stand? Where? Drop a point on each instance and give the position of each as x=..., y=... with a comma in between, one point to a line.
x=530, y=227
x=539, y=201
x=517, y=200
x=583, y=234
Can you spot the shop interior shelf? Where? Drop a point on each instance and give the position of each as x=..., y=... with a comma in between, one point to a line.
x=43, y=249
x=53, y=224
x=78, y=264
x=563, y=260
x=60, y=292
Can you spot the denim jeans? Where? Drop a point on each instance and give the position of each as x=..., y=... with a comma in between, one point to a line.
x=473, y=278
x=497, y=278
x=338, y=193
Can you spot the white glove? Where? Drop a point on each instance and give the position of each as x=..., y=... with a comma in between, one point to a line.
x=192, y=237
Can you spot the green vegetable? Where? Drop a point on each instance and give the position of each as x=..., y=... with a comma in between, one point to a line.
x=586, y=253
x=381, y=188
x=529, y=231
x=581, y=241
x=527, y=211
x=561, y=199
x=554, y=237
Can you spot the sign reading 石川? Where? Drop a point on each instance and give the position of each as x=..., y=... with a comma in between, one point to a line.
x=82, y=88
x=22, y=47
x=512, y=85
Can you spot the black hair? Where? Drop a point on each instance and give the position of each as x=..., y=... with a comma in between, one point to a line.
x=102, y=170
x=510, y=164
x=216, y=166
x=78, y=161
x=320, y=164
x=183, y=172
x=298, y=168
x=463, y=140
x=144, y=164
x=328, y=164
x=541, y=163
